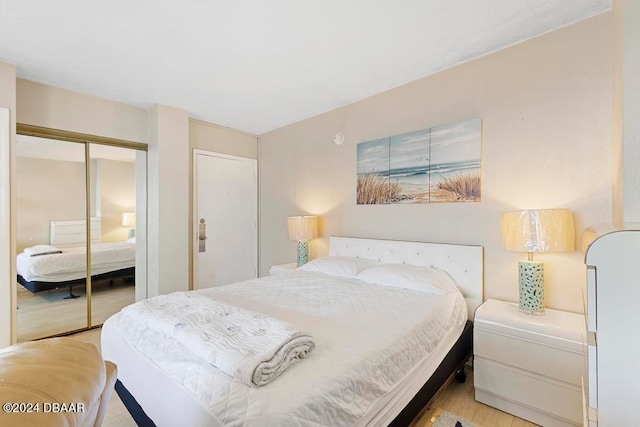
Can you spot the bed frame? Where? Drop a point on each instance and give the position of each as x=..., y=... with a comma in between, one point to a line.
x=126, y=274
x=464, y=263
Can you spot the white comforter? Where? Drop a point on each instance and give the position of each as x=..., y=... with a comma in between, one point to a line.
x=71, y=263
x=250, y=346
x=368, y=337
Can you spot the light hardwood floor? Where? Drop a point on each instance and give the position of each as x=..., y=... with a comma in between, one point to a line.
x=459, y=399
x=456, y=398
x=48, y=313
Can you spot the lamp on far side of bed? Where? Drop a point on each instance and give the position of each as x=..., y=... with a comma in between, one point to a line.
x=129, y=220
x=302, y=229
x=541, y=230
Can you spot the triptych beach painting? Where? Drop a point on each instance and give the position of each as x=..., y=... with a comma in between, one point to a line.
x=439, y=164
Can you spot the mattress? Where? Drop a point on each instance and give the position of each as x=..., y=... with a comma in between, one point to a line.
x=71, y=263
x=375, y=347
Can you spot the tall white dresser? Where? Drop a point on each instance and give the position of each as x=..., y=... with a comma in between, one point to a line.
x=613, y=317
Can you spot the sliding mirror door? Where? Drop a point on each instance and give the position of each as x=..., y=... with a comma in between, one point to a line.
x=51, y=213
x=81, y=231
x=118, y=177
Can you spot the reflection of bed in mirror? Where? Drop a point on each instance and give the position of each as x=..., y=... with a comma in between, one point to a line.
x=66, y=265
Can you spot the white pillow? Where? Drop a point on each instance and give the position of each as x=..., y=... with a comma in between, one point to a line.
x=339, y=266
x=132, y=240
x=429, y=280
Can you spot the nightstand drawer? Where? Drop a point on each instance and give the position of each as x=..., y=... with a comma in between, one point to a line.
x=530, y=366
x=544, y=394
x=532, y=356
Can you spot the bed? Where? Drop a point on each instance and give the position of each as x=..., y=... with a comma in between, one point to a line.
x=109, y=261
x=366, y=369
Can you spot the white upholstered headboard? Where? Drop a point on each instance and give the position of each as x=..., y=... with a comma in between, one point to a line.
x=65, y=234
x=463, y=262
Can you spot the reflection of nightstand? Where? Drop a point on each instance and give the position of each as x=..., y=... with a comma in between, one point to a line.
x=282, y=268
x=530, y=366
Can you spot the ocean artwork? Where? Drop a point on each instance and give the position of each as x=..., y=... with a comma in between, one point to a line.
x=439, y=164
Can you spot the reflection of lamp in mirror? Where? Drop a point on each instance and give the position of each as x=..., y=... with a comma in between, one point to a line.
x=543, y=230
x=302, y=229
x=129, y=220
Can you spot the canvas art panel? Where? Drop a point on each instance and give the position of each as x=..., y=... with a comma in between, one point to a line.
x=438, y=164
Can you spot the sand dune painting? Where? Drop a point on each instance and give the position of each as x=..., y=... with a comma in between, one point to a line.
x=439, y=164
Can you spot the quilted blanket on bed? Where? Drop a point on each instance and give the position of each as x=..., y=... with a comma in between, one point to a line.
x=250, y=346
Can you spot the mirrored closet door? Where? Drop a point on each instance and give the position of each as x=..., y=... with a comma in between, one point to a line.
x=113, y=258
x=51, y=209
x=79, y=208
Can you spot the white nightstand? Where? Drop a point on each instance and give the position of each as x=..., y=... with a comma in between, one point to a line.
x=530, y=366
x=282, y=268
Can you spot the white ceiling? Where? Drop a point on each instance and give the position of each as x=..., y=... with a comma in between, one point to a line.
x=257, y=65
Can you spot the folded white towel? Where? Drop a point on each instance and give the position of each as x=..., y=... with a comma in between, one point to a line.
x=39, y=250
x=253, y=347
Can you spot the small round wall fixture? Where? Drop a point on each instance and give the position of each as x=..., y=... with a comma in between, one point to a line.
x=338, y=138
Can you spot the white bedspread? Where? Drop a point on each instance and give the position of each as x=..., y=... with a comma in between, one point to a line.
x=250, y=346
x=71, y=263
x=368, y=338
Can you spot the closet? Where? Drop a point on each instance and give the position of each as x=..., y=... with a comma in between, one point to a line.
x=80, y=200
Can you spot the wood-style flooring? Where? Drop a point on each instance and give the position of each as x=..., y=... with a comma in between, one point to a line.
x=456, y=398
x=47, y=313
x=459, y=399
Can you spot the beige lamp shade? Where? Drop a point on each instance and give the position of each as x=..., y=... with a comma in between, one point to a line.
x=129, y=219
x=542, y=230
x=302, y=227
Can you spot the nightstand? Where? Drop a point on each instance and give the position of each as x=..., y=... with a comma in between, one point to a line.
x=530, y=366
x=282, y=268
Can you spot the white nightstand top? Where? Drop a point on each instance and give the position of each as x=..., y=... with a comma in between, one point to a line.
x=283, y=268
x=558, y=328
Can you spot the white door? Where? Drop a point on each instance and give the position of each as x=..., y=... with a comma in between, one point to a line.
x=225, y=220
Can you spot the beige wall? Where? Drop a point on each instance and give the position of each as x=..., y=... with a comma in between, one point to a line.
x=217, y=139
x=7, y=204
x=168, y=200
x=47, y=190
x=546, y=117
x=626, y=113
x=54, y=190
x=617, y=111
x=117, y=184
x=57, y=108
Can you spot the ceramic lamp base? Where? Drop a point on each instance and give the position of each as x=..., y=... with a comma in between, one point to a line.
x=531, y=275
x=303, y=252
x=131, y=233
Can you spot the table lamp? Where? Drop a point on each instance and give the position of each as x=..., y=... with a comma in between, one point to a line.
x=129, y=220
x=542, y=230
x=302, y=229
